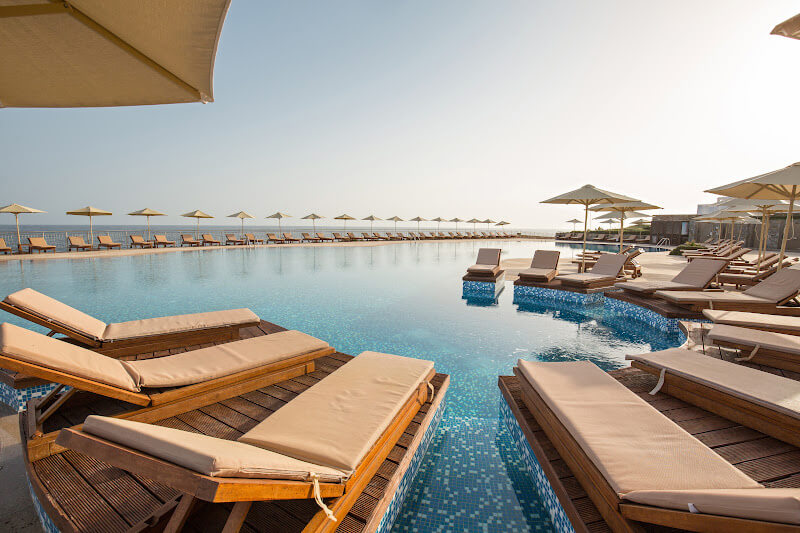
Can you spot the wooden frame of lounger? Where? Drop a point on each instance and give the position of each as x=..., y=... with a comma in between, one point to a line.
x=190, y=241
x=776, y=424
x=207, y=238
x=137, y=345
x=242, y=492
x=619, y=515
x=764, y=356
x=39, y=247
x=754, y=307
x=230, y=238
x=79, y=245
x=110, y=244
x=140, y=243
x=152, y=406
x=4, y=247
x=252, y=239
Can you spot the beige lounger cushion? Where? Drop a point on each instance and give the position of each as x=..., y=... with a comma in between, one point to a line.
x=710, y=297
x=771, y=505
x=650, y=286
x=773, y=392
x=483, y=270
x=633, y=445
x=203, y=454
x=584, y=278
x=545, y=259
x=488, y=256
x=60, y=313
x=222, y=360
x=781, y=342
x=778, y=287
x=609, y=264
x=35, y=348
x=538, y=273
x=335, y=422
x=700, y=272
x=754, y=320
x=173, y=324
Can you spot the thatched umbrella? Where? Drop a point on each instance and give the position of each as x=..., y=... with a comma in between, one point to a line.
x=197, y=215
x=90, y=212
x=473, y=221
x=371, y=218
x=17, y=210
x=313, y=217
x=587, y=196
x=241, y=215
x=344, y=217
x=147, y=212
x=279, y=216
x=438, y=221
x=395, y=219
x=783, y=184
x=418, y=220
x=456, y=220
x=788, y=28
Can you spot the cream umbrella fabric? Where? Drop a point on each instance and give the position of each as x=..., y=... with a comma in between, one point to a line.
x=99, y=53
x=765, y=208
x=587, y=196
x=197, y=214
x=473, y=221
x=623, y=208
x=17, y=210
x=313, y=217
x=395, y=219
x=241, y=215
x=344, y=217
x=280, y=216
x=438, y=221
x=788, y=28
x=418, y=220
x=147, y=212
x=90, y=212
x=487, y=222
x=783, y=184
x=371, y=218
x=456, y=220
x=573, y=221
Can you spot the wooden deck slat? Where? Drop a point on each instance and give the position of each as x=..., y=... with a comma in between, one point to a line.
x=209, y=425
x=230, y=417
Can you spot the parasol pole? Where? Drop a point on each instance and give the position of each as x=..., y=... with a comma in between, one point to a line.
x=789, y=221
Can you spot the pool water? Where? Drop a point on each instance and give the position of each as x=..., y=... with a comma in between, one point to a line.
x=403, y=298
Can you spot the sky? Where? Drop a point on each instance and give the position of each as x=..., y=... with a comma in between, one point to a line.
x=451, y=108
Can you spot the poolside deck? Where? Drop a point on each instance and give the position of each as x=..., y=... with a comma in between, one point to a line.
x=765, y=459
x=80, y=493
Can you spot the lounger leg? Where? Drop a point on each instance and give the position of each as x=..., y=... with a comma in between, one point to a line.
x=237, y=517
x=181, y=513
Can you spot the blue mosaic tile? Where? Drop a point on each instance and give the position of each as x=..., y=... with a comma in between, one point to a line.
x=17, y=399
x=523, y=293
x=47, y=524
x=641, y=314
x=482, y=293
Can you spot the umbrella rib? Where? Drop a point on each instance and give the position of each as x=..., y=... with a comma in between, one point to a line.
x=128, y=48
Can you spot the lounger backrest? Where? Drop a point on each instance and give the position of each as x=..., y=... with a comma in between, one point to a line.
x=230, y=237
x=779, y=287
x=160, y=238
x=37, y=241
x=320, y=235
x=272, y=237
x=187, y=238
x=637, y=252
x=3, y=243
x=700, y=272
x=287, y=236
x=609, y=264
x=208, y=237
x=34, y=348
x=105, y=239
x=488, y=256
x=136, y=238
x=545, y=259
x=76, y=241
x=51, y=309
x=250, y=236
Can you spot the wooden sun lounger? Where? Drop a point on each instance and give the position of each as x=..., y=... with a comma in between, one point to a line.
x=353, y=237
x=243, y=491
x=104, y=241
x=77, y=243
x=38, y=244
x=369, y=236
x=486, y=267
x=733, y=391
x=137, y=240
x=544, y=266
x=209, y=240
x=762, y=321
x=4, y=247
x=604, y=273
x=252, y=239
x=696, y=276
x=380, y=237
x=323, y=238
x=188, y=240
x=116, y=347
x=732, y=256
x=341, y=238
x=307, y=237
x=161, y=240
x=288, y=237
x=233, y=240
x=271, y=237
x=751, y=277
x=778, y=350
x=621, y=511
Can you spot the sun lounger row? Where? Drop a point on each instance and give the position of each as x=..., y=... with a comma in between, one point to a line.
x=599, y=237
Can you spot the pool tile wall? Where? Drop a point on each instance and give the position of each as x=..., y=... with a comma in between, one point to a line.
x=17, y=399
x=47, y=524
x=641, y=314
x=523, y=293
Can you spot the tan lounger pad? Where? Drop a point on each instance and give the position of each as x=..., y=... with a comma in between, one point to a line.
x=545, y=259
x=772, y=505
x=777, y=287
x=700, y=272
x=650, y=286
x=203, y=454
x=35, y=348
x=781, y=342
x=213, y=362
x=688, y=297
x=584, y=278
x=488, y=256
x=484, y=270
x=59, y=312
x=336, y=422
x=609, y=264
x=537, y=273
x=633, y=445
x=773, y=392
x=753, y=320
x=173, y=324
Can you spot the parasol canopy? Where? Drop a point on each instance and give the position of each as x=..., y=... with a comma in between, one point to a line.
x=17, y=210
x=344, y=217
x=279, y=216
x=241, y=215
x=197, y=214
x=313, y=217
x=147, y=212
x=90, y=212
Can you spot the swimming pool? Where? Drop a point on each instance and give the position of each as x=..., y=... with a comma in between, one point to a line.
x=403, y=298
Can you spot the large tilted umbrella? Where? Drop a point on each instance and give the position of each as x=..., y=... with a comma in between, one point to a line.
x=344, y=217
x=622, y=208
x=587, y=196
x=418, y=220
x=90, y=212
x=371, y=218
x=788, y=28
x=473, y=221
x=456, y=220
x=573, y=222
x=395, y=219
x=147, y=212
x=109, y=53
x=17, y=210
x=241, y=215
x=279, y=216
x=197, y=214
x=783, y=184
x=313, y=217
